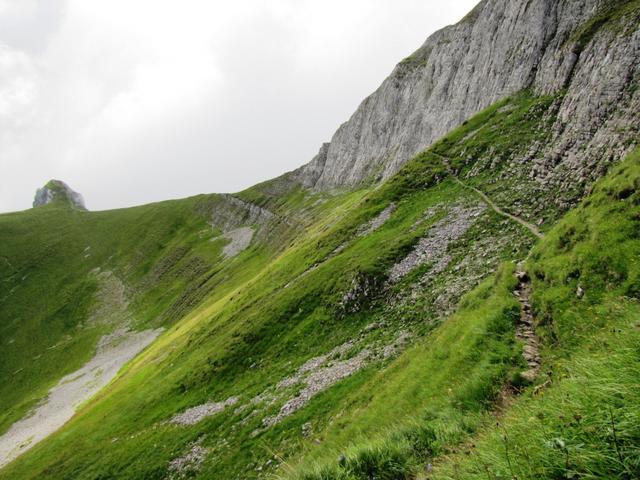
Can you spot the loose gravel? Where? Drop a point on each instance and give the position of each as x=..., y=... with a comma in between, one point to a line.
x=432, y=249
x=197, y=414
x=76, y=388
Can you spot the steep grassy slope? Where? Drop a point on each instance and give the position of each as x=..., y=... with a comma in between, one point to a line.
x=580, y=421
x=584, y=423
x=337, y=345
x=49, y=291
x=70, y=276
x=371, y=333
x=335, y=308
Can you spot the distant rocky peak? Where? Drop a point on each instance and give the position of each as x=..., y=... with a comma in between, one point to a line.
x=58, y=191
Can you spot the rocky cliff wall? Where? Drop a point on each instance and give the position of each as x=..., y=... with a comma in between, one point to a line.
x=500, y=48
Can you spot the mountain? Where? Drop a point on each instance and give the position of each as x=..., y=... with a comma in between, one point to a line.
x=58, y=191
x=502, y=47
x=448, y=290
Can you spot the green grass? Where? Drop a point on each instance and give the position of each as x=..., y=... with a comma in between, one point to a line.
x=584, y=424
x=48, y=292
x=162, y=252
x=237, y=328
x=615, y=15
x=245, y=317
x=432, y=397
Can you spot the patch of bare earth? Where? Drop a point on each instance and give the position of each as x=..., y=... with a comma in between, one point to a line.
x=76, y=388
x=377, y=222
x=190, y=463
x=239, y=241
x=112, y=352
x=525, y=328
x=322, y=372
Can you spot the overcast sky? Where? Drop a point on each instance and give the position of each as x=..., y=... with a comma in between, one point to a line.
x=134, y=101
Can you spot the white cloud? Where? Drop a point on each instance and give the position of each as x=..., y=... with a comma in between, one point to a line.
x=18, y=87
x=18, y=8
x=132, y=101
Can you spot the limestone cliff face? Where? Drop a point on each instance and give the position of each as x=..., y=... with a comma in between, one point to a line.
x=58, y=191
x=500, y=48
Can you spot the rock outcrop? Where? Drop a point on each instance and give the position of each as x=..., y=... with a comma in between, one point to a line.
x=58, y=191
x=232, y=213
x=589, y=49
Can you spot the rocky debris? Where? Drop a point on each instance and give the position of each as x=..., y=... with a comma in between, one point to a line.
x=525, y=329
x=111, y=305
x=398, y=345
x=314, y=364
x=447, y=295
x=504, y=47
x=112, y=353
x=514, y=218
x=239, y=240
x=198, y=413
x=475, y=256
x=377, y=222
x=432, y=249
x=58, y=191
x=373, y=326
x=113, y=350
x=320, y=373
x=318, y=381
x=363, y=289
x=230, y=214
x=190, y=463
x=427, y=215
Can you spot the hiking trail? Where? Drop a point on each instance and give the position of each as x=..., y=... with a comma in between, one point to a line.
x=525, y=328
x=529, y=226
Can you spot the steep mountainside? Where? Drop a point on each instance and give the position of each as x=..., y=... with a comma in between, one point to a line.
x=589, y=50
x=72, y=277
x=472, y=313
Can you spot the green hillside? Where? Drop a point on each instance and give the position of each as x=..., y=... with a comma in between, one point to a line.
x=365, y=334
x=166, y=256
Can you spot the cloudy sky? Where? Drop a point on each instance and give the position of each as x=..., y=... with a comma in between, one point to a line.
x=134, y=101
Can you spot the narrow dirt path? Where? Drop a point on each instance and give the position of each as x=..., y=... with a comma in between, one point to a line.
x=531, y=227
x=525, y=328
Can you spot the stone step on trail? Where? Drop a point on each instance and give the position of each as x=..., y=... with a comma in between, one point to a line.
x=525, y=328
